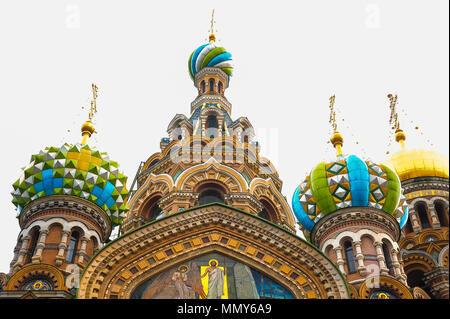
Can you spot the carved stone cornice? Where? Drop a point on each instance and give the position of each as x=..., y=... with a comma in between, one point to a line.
x=64, y=203
x=437, y=281
x=156, y=235
x=352, y=216
x=244, y=197
x=425, y=183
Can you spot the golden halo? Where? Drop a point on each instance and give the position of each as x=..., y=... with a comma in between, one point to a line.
x=211, y=260
x=185, y=266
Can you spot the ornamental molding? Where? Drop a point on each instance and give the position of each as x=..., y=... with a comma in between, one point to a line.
x=212, y=218
x=211, y=98
x=439, y=185
x=357, y=217
x=63, y=203
x=42, y=271
x=384, y=283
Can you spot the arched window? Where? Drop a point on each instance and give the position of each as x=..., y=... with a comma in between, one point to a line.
x=72, y=248
x=268, y=212
x=211, y=126
x=211, y=85
x=34, y=241
x=151, y=210
x=264, y=214
x=423, y=215
x=210, y=196
x=203, y=87
x=415, y=278
x=156, y=212
x=220, y=87
x=409, y=228
x=350, y=257
x=387, y=258
x=440, y=211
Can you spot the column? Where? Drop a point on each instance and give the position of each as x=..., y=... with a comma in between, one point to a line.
x=380, y=257
x=435, y=223
x=82, y=251
x=339, y=260
x=62, y=247
x=22, y=252
x=360, y=258
x=414, y=221
x=16, y=256
x=40, y=246
x=396, y=264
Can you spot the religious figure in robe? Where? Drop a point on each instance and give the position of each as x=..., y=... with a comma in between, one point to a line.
x=215, y=280
x=179, y=278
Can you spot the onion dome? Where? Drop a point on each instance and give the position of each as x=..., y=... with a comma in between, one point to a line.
x=74, y=170
x=417, y=162
x=210, y=55
x=348, y=182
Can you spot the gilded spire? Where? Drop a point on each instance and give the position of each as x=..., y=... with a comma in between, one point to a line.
x=400, y=137
x=87, y=129
x=336, y=139
x=212, y=37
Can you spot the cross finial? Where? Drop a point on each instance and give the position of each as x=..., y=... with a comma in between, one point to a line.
x=394, y=122
x=332, y=120
x=212, y=37
x=336, y=139
x=88, y=129
x=94, y=101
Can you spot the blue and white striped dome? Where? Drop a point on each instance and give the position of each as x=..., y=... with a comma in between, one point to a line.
x=210, y=55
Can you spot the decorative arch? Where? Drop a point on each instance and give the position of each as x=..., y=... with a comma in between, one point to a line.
x=212, y=170
x=38, y=271
x=66, y=226
x=443, y=257
x=126, y=262
x=386, y=284
x=162, y=183
x=265, y=188
x=152, y=160
x=423, y=237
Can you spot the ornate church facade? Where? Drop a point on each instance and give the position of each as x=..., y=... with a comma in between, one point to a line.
x=205, y=217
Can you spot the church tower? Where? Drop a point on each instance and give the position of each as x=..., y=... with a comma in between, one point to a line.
x=424, y=176
x=353, y=210
x=207, y=218
x=69, y=198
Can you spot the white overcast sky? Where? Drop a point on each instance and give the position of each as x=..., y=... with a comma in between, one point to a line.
x=289, y=57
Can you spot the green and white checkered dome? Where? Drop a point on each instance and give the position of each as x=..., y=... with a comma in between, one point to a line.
x=74, y=170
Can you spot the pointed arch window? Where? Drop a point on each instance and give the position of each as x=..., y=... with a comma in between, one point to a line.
x=350, y=257
x=72, y=248
x=211, y=85
x=220, y=87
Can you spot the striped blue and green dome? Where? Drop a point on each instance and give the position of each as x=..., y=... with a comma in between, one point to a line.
x=210, y=55
x=348, y=182
x=76, y=170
